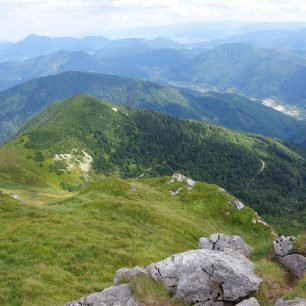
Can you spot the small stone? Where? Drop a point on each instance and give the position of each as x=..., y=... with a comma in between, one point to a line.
x=175, y=193
x=249, y=302
x=295, y=302
x=190, y=182
x=132, y=189
x=125, y=275
x=238, y=204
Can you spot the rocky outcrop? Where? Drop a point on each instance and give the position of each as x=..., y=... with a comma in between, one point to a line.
x=288, y=257
x=115, y=296
x=204, y=276
x=237, y=204
x=284, y=246
x=295, y=263
x=296, y=302
x=249, y=302
x=125, y=275
x=221, y=242
x=177, y=177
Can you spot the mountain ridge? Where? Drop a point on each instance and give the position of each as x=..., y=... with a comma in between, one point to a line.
x=129, y=142
x=236, y=112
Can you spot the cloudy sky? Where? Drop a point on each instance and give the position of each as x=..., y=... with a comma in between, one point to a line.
x=19, y=18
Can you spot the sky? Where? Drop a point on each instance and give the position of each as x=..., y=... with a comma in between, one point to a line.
x=19, y=18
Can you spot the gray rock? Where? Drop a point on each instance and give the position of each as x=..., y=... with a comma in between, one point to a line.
x=133, y=189
x=237, y=204
x=215, y=303
x=202, y=276
x=295, y=302
x=249, y=302
x=125, y=275
x=221, y=242
x=283, y=246
x=295, y=263
x=114, y=296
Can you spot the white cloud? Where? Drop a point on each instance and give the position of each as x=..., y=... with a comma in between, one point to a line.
x=72, y=17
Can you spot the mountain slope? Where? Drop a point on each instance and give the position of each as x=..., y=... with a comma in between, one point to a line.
x=61, y=144
x=66, y=249
x=253, y=71
x=13, y=73
x=21, y=102
x=240, y=113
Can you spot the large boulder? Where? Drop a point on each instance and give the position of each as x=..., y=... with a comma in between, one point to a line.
x=125, y=275
x=284, y=246
x=115, y=296
x=296, y=302
x=221, y=242
x=295, y=263
x=249, y=302
x=202, y=277
x=288, y=257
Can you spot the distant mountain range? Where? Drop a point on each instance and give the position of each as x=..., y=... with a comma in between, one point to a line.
x=250, y=70
x=23, y=101
x=242, y=68
x=35, y=45
x=274, y=39
x=204, y=31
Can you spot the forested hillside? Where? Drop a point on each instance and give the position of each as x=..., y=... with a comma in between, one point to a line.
x=267, y=174
x=21, y=102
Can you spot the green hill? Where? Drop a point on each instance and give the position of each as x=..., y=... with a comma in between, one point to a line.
x=61, y=145
x=21, y=102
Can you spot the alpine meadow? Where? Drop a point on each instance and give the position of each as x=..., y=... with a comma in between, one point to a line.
x=152, y=153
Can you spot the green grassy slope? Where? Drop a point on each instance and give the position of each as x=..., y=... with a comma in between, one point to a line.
x=21, y=102
x=265, y=173
x=58, y=252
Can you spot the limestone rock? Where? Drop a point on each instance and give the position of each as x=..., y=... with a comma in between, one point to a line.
x=201, y=277
x=295, y=263
x=114, y=296
x=125, y=275
x=238, y=204
x=295, y=302
x=133, y=189
x=283, y=246
x=175, y=193
x=177, y=177
x=249, y=302
x=221, y=242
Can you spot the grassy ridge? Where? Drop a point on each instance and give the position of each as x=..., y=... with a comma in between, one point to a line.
x=132, y=143
x=58, y=252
